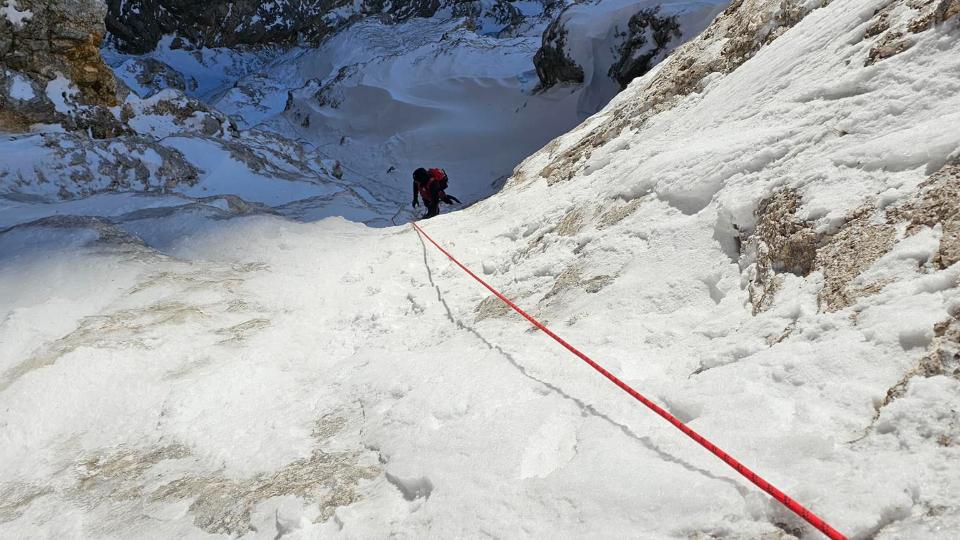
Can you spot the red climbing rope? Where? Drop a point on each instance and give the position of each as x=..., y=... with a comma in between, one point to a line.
x=780, y=496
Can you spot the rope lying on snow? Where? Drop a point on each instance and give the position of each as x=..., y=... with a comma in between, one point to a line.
x=769, y=488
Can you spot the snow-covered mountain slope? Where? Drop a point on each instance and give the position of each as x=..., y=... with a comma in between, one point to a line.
x=762, y=235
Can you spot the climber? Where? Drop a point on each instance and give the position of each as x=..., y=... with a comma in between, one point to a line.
x=430, y=185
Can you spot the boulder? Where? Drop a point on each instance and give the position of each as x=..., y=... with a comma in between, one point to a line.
x=50, y=64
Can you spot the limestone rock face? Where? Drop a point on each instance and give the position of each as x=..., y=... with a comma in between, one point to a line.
x=645, y=42
x=50, y=63
x=781, y=243
x=937, y=204
x=893, y=25
x=136, y=26
x=639, y=38
x=552, y=61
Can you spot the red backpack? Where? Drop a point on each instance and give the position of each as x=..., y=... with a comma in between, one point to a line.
x=438, y=176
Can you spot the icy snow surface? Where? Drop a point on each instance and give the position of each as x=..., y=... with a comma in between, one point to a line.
x=175, y=369
x=16, y=17
x=21, y=90
x=62, y=92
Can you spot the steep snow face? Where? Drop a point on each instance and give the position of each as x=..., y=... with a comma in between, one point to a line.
x=762, y=235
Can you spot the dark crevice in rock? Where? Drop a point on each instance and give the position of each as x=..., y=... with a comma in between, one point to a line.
x=645, y=43
x=551, y=61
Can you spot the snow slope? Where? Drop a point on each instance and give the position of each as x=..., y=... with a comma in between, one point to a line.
x=175, y=373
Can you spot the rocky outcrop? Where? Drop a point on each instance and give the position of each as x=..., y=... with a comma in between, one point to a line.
x=169, y=112
x=892, y=25
x=552, y=62
x=136, y=26
x=936, y=204
x=146, y=76
x=871, y=233
x=845, y=255
x=781, y=243
x=402, y=10
x=78, y=166
x=639, y=38
x=942, y=358
x=50, y=65
x=645, y=44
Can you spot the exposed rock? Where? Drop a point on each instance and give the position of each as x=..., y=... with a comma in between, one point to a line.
x=638, y=48
x=137, y=26
x=913, y=17
x=552, y=63
x=500, y=16
x=571, y=224
x=860, y=242
x=597, y=283
x=60, y=37
x=572, y=277
x=79, y=166
x=22, y=101
x=16, y=497
x=147, y=76
x=331, y=93
x=944, y=356
x=781, y=243
x=402, y=10
x=169, y=112
x=53, y=48
x=25, y=100
x=937, y=203
x=222, y=505
x=645, y=45
x=947, y=10
x=789, y=244
x=491, y=308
